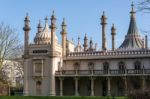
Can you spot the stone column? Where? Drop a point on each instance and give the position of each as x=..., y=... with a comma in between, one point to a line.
x=26, y=90
x=108, y=86
x=61, y=86
x=76, y=86
x=92, y=86
x=125, y=85
x=143, y=83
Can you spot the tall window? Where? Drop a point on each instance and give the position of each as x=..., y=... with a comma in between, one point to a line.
x=91, y=65
x=121, y=67
x=76, y=66
x=105, y=67
x=137, y=65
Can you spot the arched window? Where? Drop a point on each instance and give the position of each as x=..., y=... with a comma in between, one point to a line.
x=105, y=67
x=38, y=87
x=76, y=66
x=91, y=65
x=137, y=65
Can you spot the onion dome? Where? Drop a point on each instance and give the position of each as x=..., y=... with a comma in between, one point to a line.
x=132, y=39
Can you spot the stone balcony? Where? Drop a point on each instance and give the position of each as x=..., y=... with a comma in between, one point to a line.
x=114, y=72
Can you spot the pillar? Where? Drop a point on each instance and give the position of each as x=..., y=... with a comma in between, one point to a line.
x=61, y=86
x=143, y=83
x=26, y=87
x=125, y=85
x=92, y=86
x=76, y=86
x=108, y=86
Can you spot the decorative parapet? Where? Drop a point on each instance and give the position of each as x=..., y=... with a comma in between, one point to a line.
x=110, y=53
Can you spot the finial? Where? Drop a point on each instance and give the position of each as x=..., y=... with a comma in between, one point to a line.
x=103, y=12
x=78, y=38
x=27, y=16
x=53, y=21
x=63, y=23
x=53, y=12
x=46, y=19
x=53, y=15
x=85, y=37
x=39, y=25
x=113, y=29
x=132, y=10
x=103, y=19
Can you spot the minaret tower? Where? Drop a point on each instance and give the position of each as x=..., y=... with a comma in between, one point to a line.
x=85, y=43
x=26, y=29
x=64, y=37
x=113, y=33
x=53, y=56
x=53, y=29
x=103, y=23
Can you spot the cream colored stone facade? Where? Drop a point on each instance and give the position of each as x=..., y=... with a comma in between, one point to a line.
x=53, y=69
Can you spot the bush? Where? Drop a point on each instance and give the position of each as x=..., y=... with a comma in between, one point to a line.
x=139, y=94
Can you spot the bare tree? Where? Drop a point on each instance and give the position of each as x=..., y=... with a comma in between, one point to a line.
x=144, y=6
x=10, y=46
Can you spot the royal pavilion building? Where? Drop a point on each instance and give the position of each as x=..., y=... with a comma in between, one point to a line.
x=65, y=69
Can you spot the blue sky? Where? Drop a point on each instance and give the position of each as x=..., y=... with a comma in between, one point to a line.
x=82, y=16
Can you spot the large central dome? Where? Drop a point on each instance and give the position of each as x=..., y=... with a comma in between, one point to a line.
x=43, y=36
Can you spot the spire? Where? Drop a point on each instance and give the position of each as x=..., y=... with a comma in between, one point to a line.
x=103, y=23
x=132, y=11
x=39, y=27
x=27, y=23
x=91, y=44
x=85, y=42
x=132, y=39
x=103, y=19
x=64, y=26
x=53, y=20
x=113, y=30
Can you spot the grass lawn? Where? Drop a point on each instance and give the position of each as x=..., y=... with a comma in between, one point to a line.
x=58, y=97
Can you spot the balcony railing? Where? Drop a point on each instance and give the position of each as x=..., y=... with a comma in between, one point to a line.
x=104, y=72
